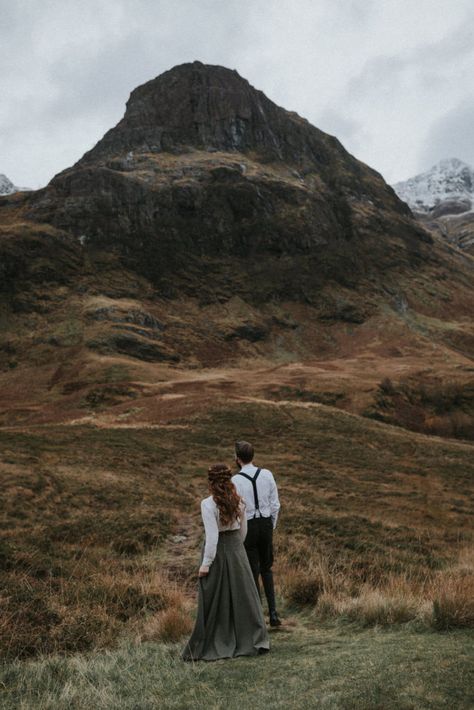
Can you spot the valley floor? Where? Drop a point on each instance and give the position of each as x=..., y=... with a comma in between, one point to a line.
x=320, y=667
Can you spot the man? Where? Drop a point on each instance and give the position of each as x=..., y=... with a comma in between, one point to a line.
x=258, y=489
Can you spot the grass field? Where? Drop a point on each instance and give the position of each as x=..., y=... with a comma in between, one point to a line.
x=309, y=667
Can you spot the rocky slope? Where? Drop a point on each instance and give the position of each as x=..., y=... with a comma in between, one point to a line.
x=456, y=229
x=211, y=227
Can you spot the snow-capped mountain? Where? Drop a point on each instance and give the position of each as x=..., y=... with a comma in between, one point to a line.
x=6, y=186
x=448, y=188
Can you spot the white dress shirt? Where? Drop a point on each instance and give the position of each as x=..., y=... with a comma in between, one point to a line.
x=267, y=492
x=213, y=526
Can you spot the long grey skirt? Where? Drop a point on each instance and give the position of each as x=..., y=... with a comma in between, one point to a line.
x=229, y=619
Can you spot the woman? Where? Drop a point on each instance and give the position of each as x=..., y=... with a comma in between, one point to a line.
x=230, y=618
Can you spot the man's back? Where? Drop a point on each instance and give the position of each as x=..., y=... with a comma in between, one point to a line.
x=267, y=492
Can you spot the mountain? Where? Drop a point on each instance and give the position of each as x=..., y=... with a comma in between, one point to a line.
x=205, y=171
x=442, y=198
x=447, y=188
x=213, y=229
x=6, y=186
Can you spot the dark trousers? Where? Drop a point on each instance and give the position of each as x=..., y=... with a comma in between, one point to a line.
x=259, y=547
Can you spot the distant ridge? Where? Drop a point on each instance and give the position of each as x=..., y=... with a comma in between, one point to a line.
x=8, y=188
x=447, y=188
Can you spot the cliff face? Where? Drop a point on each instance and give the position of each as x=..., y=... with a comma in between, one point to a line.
x=205, y=177
x=210, y=108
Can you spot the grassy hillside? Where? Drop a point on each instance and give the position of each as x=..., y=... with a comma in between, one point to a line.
x=101, y=532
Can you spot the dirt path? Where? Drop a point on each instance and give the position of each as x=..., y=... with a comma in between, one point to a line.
x=180, y=553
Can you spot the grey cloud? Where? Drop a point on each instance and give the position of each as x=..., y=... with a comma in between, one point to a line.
x=427, y=63
x=357, y=11
x=450, y=137
x=89, y=82
x=68, y=68
x=337, y=124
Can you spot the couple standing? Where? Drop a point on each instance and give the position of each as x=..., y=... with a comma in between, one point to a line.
x=239, y=517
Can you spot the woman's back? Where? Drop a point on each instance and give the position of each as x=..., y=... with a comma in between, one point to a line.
x=213, y=525
x=209, y=506
x=230, y=619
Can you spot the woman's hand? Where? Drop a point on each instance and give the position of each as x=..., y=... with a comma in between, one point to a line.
x=203, y=571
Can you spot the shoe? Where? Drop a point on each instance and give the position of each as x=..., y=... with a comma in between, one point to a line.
x=274, y=619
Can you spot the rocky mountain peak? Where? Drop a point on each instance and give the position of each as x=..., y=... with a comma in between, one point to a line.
x=450, y=165
x=207, y=107
x=206, y=175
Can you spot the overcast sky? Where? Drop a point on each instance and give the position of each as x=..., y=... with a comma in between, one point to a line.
x=392, y=79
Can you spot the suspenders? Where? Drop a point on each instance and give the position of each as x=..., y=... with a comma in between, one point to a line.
x=253, y=481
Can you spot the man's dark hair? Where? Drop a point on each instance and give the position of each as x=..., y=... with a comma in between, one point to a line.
x=244, y=451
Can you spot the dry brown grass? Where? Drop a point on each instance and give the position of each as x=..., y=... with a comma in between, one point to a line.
x=433, y=405
x=372, y=607
x=90, y=610
x=169, y=625
x=332, y=590
x=101, y=532
x=453, y=600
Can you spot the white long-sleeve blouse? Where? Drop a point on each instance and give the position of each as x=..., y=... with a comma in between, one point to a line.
x=213, y=526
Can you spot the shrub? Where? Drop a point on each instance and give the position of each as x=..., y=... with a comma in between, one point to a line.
x=84, y=629
x=453, y=601
x=304, y=590
x=329, y=606
x=169, y=625
x=386, y=386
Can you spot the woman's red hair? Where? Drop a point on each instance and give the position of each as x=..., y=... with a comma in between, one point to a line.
x=224, y=493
